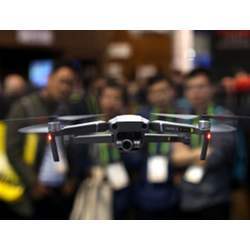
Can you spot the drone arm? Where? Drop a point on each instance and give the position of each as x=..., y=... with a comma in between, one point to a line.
x=53, y=145
x=206, y=139
x=84, y=128
x=174, y=127
x=102, y=138
x=150, y=137
x=78, y=129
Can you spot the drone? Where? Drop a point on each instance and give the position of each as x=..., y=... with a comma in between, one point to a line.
x=131, y=132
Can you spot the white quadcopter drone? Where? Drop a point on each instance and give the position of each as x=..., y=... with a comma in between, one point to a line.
x=130, y=132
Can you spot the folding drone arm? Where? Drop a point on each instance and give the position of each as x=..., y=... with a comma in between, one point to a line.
x=151, y=137
x=55, y=129
x=84, y=128
x=202, y=129
x=173, y=127
x=96, y=138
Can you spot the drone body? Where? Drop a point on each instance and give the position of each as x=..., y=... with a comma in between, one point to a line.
x=128, y=132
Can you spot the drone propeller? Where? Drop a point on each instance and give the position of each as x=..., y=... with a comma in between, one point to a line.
x=177, y=116
x=204, y=128
x=222, y=128
x=64, y=118
x=72, y=118
x=31, y=118
x=204, y=116
x=35, y=129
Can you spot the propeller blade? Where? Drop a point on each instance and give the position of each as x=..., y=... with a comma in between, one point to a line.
x=36, y=129
x=177, y=116
x=204, y=116
x=225, y=117
x=77, y=117
x=32, y=118
x=66, y=118
x=222, y=128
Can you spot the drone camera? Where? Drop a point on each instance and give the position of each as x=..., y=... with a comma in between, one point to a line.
x=128, y=141
x=127, y=145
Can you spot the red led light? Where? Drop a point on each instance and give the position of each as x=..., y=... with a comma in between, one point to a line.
x=49, y=137
x=209, y=136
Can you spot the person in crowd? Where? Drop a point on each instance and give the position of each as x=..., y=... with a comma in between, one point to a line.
x=48, y=186
x=156, y=196
x=113, y=200
x=205, y=185
x=14, y=87
x=91, y=98
x=2, y=107
x=177, y=77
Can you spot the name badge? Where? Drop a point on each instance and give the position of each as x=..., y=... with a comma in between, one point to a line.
x=194, y=174
x=117, y=176
x=157, y=169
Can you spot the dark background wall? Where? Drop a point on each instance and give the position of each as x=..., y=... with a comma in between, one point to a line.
x=89, y=47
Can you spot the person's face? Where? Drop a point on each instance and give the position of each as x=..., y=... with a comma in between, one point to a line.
x=61, y=83
x=15, y=86
x=111, y=102
x=160, y=94
x=199, y=91
x=99, y=83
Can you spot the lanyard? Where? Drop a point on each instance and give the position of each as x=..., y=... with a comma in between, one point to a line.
x=159, y=148
x=108, y=154
x=92, y=104
x=196, y=139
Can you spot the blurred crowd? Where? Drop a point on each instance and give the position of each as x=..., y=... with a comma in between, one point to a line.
x=97, y=181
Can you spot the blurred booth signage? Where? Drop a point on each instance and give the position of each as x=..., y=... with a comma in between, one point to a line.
x=145, y=71
x=119, y=50
x=35, y=37
x=232, y=39
x=114, y=70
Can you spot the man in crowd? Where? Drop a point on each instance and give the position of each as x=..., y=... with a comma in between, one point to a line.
x=155, y=195
x=48, y=185
x=113, y=199
x=14, y=87
x=205, y=185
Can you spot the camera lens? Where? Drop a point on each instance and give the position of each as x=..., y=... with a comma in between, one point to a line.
x=127, y=145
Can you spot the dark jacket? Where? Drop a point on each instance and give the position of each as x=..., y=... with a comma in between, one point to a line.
x=214, y=187
x=152, y=197
x=31, y=105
